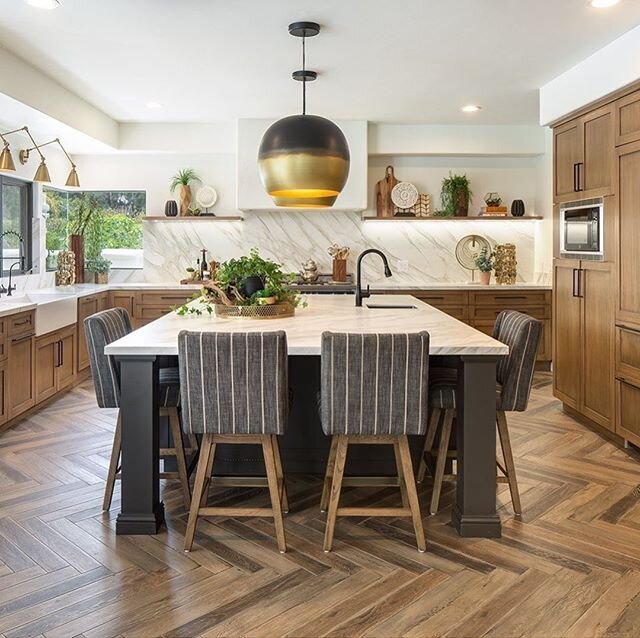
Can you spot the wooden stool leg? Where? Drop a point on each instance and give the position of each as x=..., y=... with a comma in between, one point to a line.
x=507, y=454
x=206, y=451
x=336, y=487
x=401, y=477
x=274, y=490
x=445, y=437
x=428, y=442
x=113, y=465
x=328, y=475
x=412, y=494
x=208, y=470
x=181, y=459
x=282, y=485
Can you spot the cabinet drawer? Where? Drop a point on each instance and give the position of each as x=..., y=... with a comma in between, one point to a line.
x=443, y=298
x=485, y=313
x=458, y=312
x=146, y=313
x=165, y=298
x=21, y=324
x=628, y=413
x=628, y=354
x=510, y=298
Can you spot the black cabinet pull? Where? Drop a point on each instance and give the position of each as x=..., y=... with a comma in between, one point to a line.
x=580, y=176
x=19, y=339
x=61, y=346
x=574, y=291
x=575, y=178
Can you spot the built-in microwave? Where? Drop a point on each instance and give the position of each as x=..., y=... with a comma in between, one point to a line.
x=582, y=229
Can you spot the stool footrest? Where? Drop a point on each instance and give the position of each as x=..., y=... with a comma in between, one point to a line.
x=235, y=511
x=374, y=511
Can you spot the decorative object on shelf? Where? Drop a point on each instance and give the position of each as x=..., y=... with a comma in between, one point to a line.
x=66, y=268
x=309, y=272
x=404, y=195
x=171, y=208
x=339, y=264
x=422, y=208
x=100, y=267
x=506, y=264
x=384, y=205
x=492, y=200
x=183, y=179
x=468, y=249
x=304, y=159
x=76, y=244
x=517, y=208
x=206, y=197
x=193, y=211
x=249, y=287
x=456, y=195
x=485, y=263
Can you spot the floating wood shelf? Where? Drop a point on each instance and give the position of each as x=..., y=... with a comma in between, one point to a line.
x=472, y=218
x=192, y=218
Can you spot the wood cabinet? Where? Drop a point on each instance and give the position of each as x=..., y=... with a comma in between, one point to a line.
x=20, y=391
x=583, y=346
x=153, y=304
x=122, y=299
x=628, y=178
x=55, y=367
x=583, y=156
x=88, y=306
x=627, y=119
x=4, y=409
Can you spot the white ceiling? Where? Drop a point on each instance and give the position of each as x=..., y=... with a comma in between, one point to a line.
x=413, y=61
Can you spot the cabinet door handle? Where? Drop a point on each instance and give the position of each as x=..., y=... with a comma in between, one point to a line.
x=580, y=283
x=575, y=178
x=59, y=353
x=19, y=339
x=580, y=176
x=574, y=292
x=22, y=322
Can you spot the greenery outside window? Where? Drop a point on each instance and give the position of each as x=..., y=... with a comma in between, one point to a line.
x=114, y=231
x=16, y=214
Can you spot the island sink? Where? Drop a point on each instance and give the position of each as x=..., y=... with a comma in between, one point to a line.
x=382, y=306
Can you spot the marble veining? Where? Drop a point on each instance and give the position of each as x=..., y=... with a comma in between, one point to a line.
x=293, y=237
x=324, y=312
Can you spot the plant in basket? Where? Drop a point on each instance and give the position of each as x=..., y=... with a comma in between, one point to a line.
x=245, y=287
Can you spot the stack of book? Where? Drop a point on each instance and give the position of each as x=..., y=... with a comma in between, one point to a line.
x=493, y=211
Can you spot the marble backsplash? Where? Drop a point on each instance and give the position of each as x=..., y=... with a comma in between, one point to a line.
x=292, y=238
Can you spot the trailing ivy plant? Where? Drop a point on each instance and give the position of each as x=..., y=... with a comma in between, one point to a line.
x=452, y=188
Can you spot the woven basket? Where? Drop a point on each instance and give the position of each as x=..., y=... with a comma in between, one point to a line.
x=273, y=311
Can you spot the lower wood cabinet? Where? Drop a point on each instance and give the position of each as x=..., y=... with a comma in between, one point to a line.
x=55, y=367
x=628, y=411
x=88, y=306
x=20, y=380
x=4, y=408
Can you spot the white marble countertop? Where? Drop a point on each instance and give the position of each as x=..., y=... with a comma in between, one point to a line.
x=324, y=312
x=471, y=287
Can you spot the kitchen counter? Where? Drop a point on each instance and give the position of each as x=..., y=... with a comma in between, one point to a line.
x=463, y=286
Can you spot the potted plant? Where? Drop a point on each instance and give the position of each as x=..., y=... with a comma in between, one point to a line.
x=80, y=218
x=485, y=262
x=100, y=268
x=456, y=195
x=182, y=179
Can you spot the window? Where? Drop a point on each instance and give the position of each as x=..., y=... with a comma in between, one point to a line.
x=113, y=229
x=16, y=212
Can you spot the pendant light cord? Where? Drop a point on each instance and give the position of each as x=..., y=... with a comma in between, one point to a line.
x=304, y=78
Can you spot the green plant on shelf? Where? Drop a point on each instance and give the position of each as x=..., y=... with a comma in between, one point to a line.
x=455, y=194
x=183, y=178
x=98, y=265
x=485, y=260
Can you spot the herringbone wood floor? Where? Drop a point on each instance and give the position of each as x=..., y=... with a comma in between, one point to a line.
x=571, y=568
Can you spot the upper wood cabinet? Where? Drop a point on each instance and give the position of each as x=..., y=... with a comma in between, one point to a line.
x=583, y=156
x=628, y=306
x=627, y=119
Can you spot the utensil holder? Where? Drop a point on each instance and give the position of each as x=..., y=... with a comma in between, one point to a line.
x=339, y=270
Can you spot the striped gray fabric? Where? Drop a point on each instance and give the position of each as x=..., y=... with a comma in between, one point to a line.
x=234, y=383
x=515, y=371
x=106, y=327
x=374, y=383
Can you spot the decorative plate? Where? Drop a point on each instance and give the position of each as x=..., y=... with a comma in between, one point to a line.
x=404, y=195
x=206, y=197
x=468, y=248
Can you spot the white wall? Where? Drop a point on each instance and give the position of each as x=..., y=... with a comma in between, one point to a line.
x=609, y=69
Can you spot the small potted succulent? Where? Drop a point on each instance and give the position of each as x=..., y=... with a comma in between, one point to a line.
x=100, y=267
x=183, y=179
x=485, y=262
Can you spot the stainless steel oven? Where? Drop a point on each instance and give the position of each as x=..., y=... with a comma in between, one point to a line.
x=582, y=229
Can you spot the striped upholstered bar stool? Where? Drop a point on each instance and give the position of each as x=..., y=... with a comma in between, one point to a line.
x=235, y=390
x=514, y=378
x=374, y=390
x=101, y=329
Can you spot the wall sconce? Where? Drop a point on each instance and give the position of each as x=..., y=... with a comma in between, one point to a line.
x=6, y=160
x=42, y=174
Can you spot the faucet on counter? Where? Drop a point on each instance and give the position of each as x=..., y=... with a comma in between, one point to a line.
x=361, y=294
x=20, y=261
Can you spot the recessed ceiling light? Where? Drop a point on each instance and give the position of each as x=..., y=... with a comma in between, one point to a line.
x=44, y=4
x=471, y=108
x=603, y=4
x=154, y=106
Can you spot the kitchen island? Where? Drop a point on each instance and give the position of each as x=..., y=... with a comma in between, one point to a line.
x=474, y=353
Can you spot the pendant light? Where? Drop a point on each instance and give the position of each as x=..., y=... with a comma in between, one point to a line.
x=304, y=159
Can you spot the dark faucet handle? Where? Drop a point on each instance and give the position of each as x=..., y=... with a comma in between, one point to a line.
x=3, y=290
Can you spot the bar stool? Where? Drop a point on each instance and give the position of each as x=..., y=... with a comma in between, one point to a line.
x=101, y=329
x=374, y=390
x=514, y=376
x=234, y=390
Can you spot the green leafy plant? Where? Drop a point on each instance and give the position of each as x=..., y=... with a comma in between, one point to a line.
x=83, y=210
x=485, y=261
x=456, y=189
x=182, y=178
x=99, y=265
x=229, y=284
